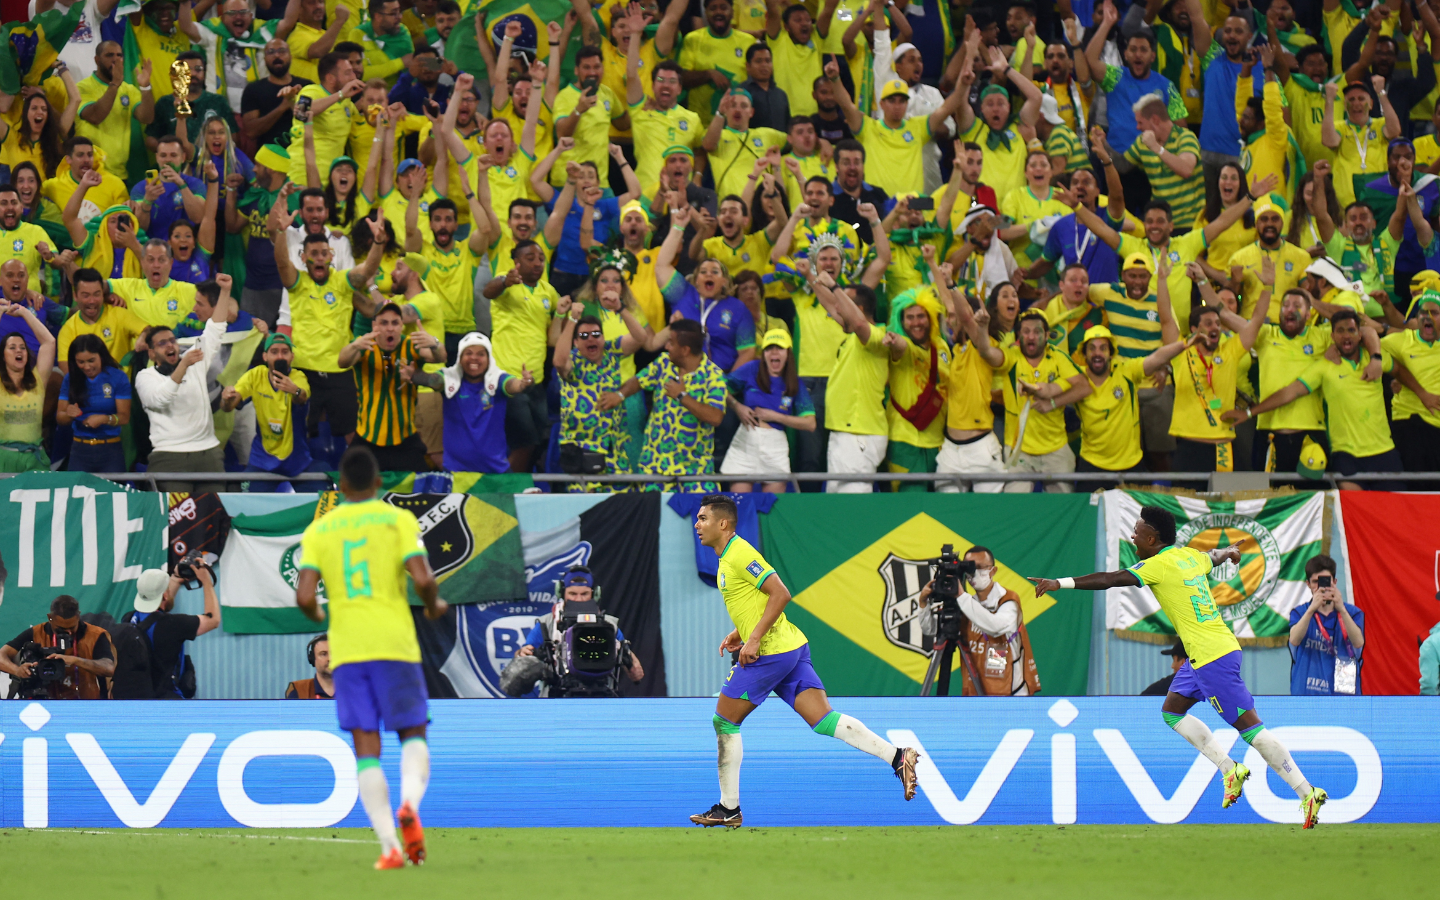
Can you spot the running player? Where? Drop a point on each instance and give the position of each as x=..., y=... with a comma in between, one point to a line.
x=362, y=549
x=1177, y=576
x=774, y=656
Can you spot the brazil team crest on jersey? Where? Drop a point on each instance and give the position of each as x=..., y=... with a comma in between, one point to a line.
x=756, y=141
x=720, y=580
x=19, y=245
x=1309, y=349
x=908, y=136
x=1289, y=267
x=684, y=125
x=1174, y=256
x=172, y=305
x=106, y=332
x=725, y=318
x=1119, y=393
x=900, y=614
x=124, y=100
x=329, y=298
x=107, y=390
x=745, y=257
x=509, y=171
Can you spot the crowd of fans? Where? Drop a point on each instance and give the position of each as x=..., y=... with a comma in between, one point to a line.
x=737, y=238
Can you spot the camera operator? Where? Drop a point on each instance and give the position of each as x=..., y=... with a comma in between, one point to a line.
x=62, y=658
x=322, y=686
x=172, y=674
x=996, y=643
x=1327, y=637
x=579, y=586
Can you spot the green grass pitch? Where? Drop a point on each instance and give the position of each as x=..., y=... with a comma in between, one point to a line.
x=1111, y=861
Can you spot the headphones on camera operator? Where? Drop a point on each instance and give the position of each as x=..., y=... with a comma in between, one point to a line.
x=582, y=654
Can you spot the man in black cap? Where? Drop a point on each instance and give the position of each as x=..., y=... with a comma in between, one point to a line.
x=1177, y=658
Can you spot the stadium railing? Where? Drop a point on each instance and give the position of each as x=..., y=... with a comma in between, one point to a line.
x=797, y=478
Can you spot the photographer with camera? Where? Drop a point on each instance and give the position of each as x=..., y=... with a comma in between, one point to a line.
x=322, y=686
x=1327, y=637
x=578, y=651
x=158, y=633
x=996, y=650
x=62, y=658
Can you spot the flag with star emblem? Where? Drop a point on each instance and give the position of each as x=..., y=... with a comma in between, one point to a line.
x=473, y=543
x=855, y=587
x=1276, y=537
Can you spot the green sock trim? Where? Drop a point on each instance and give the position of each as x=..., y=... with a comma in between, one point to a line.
x=1250, y=733
x=1172, y=719
x=826, y=726
x=366, y=762
x=411, y=740
x=724, y=725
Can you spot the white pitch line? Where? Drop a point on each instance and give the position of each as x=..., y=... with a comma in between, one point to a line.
x=252, y=837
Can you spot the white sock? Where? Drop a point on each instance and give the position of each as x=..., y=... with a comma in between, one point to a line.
x=1274, y=753
x=375, y=796
x=414, y=771
x=1203, y=739
x=731, y=751
x=853, y=732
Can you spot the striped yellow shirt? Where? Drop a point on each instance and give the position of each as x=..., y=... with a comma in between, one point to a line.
x=1134, y=323
x=1186, y=196
x=387, y=402
x=1063, y=141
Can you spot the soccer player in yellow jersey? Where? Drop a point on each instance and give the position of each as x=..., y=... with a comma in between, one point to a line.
x=1179, y=577
x=363, y=550
x=771, y=655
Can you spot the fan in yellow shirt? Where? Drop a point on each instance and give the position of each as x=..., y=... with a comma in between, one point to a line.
x=1036, y=381
x=1207, y=374
x=156, y=299
x=1361, y=143
x=734, y=147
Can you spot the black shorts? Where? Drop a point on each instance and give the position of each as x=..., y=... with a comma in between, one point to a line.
x=406, y=456
x=1344, y=464
x=333, y=397
x=527, y=417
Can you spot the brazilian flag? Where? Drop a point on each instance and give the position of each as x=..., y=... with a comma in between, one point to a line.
x=533, y=16
x=855, y=587
x=31, y=48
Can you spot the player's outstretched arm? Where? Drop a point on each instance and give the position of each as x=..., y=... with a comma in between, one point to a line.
x=1225, y=554
x=426, y=586
x=779, y=596
x=1098, y=581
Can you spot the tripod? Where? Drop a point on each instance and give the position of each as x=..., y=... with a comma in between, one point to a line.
x=942, y=660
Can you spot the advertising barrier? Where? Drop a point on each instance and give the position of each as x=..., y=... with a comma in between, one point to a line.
x=267, y=764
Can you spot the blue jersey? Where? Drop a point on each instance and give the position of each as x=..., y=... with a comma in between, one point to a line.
x=1312, y=671
x=100, y=396
x=729, y=327
x=568, y=256
x=475, y=428
x=744, y=385
x=1070, y=242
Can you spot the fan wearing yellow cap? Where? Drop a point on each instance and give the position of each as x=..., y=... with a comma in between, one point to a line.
x=1110, y=414
x=1159, y=241
x=1288, y=259
x=1037, y=380
x=1415, y=412
x=769, y=397
x=895, y=144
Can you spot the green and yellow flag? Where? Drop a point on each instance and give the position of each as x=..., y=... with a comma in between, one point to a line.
x=855, y=566
x=31, y=48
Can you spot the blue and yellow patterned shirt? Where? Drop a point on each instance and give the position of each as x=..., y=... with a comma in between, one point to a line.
x=582, y=421
x=677, y=443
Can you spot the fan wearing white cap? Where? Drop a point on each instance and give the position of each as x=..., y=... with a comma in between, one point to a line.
x=1066, y=149
x=166, y=632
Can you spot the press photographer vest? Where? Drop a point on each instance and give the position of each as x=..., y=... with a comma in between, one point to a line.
x=82, y=684
x=994, y=659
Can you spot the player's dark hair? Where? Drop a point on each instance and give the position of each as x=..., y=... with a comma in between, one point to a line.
x=980, y=548
x=586, y=52
x=67, y=607
x=1306, y=52
x=448, y=7
x=829, y=185
x=721, y=506
x=191, y=54
x=791, y=10
x=528, y=204
x=757, y=47
x=589, y=319
x=335, y=57
x=1160, y=519
x=519, y=246
x=1359, y=204
x=688, y=333
x=210, y=290
x=88, y=275
x=1160, y=205
x=1317, y=564
x=346, y=48
x=358, y=469
x=1074, y=265
x=850, y=145
x=314, y=239
x=865, y=299
x=665, y=65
